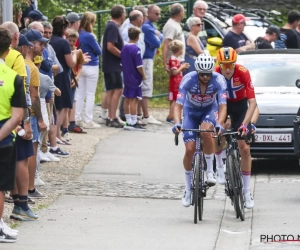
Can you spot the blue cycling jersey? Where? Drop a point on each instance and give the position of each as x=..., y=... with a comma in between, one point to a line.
x=190, y=96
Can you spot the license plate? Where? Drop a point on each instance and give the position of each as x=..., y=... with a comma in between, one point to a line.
x=269, y=138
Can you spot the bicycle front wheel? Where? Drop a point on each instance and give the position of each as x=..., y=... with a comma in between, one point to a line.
x=196, y=187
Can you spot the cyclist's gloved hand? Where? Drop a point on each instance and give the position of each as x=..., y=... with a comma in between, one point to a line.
x=176, y=128
x=243, y=129
x=220, y=127
x=253, y=128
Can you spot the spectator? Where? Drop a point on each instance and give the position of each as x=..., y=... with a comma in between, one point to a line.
x=288, y=37
x=35, y=15
x=173, y=31
x=133, y=74
x=30, y=6
x=136, y=19
x=90, y=72
x=193, y=44
x=74, y=22
x=177, y=68
x=37, y=123
x=13, y=103
x=297, y=32
x=55, y=69
x=235, y=38
x=199, y=10
x=153, y=39
x=272, y=34
x=112, y=46
x=67, y=59
x=17, y=15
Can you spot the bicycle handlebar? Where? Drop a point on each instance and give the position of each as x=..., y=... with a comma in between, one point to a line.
x=193, y=130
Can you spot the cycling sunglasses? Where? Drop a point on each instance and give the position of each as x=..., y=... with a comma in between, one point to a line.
x=227, y=65
x=205, y=74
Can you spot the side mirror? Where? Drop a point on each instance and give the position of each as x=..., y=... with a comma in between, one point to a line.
x=216, y=41
x=297, y=83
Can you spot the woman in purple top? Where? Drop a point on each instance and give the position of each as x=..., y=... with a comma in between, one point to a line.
x=90, y=72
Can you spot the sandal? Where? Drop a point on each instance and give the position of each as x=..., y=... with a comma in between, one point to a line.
x=77, y=130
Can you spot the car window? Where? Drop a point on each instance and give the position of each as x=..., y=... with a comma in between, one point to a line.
x=272, y=70
x=211, y=30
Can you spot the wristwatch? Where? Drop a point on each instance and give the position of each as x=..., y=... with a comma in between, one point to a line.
x=27, y=120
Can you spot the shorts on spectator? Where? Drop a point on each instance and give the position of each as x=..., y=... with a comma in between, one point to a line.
x=8, y=161
x=35, y=129
x=129, y=92
x=172, y=96
x=24, y=148
x=113, y=81
x=147, y=87
x=73, y=95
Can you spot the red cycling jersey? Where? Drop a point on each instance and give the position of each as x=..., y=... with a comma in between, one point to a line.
x=239, y=86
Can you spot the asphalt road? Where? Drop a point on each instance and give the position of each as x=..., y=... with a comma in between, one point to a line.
x=128, y=197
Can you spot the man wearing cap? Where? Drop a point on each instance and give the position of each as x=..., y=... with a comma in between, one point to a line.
x=37, y=123
x=74, y=21
x=35, y=15
x=272, y=34
x=21, y=210
x=235, y=38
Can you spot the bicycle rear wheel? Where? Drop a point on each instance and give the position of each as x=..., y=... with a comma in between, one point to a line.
x=196, y=187
x=231, y=161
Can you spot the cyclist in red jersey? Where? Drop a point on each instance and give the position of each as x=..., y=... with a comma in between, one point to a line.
x=241, y=104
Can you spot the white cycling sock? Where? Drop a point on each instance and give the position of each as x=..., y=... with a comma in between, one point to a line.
x=133, y=119
x=128, y=118
x=219, y=160
x=209, y=162
x=246, y=179
x=188, y=179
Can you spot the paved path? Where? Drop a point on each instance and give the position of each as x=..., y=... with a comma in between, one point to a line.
x=128, y=197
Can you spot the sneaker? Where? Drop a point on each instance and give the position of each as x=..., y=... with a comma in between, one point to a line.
x=221, y=176
x=5, y=237
x=66, y=136
x=170, y=120
x=15, y=212
x=80, y=123
x=58, y=152
x=30, y=201
x=116, y=123
x=108, y=122
x=9, y=230
x=137, y=127
x=123, y=118
x=249, y=202
x=77, y=130
x=151, y=120
x=102, y=120
x=51, y=156
x=38, y=182
x=27, y=215
x=211, y=179
x=8, y=198
x=186, y=198
x=42, y=157
x=91, y=125
x=36, y=195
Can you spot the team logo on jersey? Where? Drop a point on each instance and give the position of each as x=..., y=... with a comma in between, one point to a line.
x=243, y=69
x=179, y=95
x=236, y=81
x=224, y=95
x=198, y=98
x=1, y=82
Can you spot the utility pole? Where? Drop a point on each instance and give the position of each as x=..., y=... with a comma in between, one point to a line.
x=7, y=10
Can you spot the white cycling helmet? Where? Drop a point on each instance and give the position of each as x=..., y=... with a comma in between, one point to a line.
x=204, y=63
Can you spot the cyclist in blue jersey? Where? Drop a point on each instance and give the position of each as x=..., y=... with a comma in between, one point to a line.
x=197, y=98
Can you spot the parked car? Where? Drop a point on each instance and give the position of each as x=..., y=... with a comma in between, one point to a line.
x=274, y=74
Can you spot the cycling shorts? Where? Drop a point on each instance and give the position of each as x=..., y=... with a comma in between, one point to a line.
x=193, y=118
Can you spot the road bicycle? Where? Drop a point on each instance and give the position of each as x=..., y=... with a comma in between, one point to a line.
x=233, y=173
x=199, y=185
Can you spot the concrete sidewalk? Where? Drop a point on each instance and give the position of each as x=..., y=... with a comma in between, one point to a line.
x=139, y=166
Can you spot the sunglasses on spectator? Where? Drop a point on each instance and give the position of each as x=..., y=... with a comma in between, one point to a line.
x=197, y=24
x=205, y=74
x=227, y=65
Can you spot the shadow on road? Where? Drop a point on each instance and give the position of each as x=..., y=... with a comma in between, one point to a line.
x=276, y=166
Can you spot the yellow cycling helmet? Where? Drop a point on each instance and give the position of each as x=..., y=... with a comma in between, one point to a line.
x=226, y=55
x=38, y=59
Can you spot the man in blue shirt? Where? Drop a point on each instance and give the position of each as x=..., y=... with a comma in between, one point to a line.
x=153, y=39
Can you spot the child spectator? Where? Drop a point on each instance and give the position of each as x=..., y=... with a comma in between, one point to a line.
x=72, y=36
x=133, y=74
x=176, y=74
